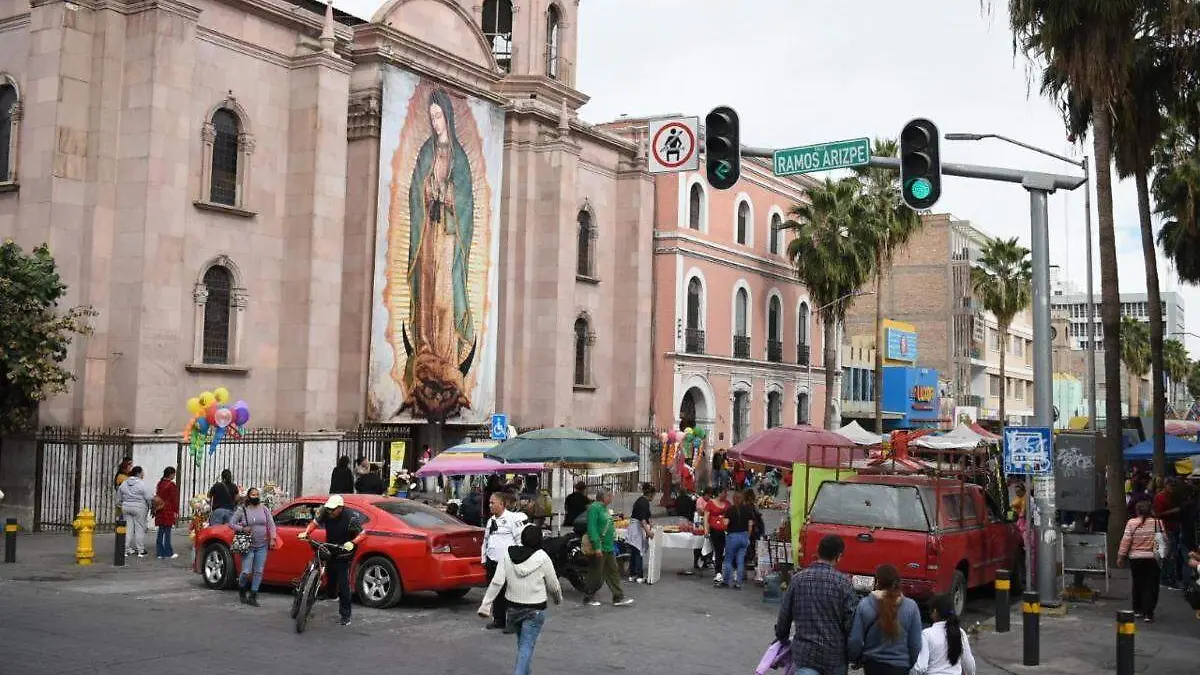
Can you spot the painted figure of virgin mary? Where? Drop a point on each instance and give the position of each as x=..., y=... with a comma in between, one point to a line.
x=440, y=337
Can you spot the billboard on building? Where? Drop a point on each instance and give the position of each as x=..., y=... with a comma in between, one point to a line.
x=901, y=345
x=433, y=305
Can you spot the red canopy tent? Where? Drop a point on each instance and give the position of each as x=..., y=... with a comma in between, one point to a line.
x=785, y=446
x=984, y=432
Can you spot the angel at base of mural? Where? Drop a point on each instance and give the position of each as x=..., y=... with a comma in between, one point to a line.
x=440, y=338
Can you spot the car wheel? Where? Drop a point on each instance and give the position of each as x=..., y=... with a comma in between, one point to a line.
x=454, y=594
x=958, y=591
x=217, y=567
x=378, y=583
x=578, y=580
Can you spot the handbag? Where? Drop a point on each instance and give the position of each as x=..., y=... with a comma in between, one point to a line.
x=585, y=545
x=1160, y=542
x=241, y=540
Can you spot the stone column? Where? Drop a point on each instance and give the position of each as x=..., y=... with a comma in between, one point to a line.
x=633, y=286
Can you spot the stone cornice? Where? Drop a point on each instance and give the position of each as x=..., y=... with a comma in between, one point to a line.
x=128, y=7
x=543, y=88
x=242, y=47
x=15, y=22
x=291, y=15
x=322, y=59
x=384, y=44
x=364, y=114
x=544, y=112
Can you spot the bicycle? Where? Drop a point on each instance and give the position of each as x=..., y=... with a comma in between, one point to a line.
x=310, y=581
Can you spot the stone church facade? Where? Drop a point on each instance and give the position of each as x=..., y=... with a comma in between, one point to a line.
x=207, y=176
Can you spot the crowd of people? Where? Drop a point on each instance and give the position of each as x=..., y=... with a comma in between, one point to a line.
x=1160, y=544
x=137, y=503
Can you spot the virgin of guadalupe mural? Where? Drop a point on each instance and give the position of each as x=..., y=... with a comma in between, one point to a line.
x=441, y=205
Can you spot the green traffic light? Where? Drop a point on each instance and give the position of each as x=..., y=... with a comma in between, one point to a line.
x=920, y=188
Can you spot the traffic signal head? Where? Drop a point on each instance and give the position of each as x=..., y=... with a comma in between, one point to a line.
x=722, y=147
x=920, y=165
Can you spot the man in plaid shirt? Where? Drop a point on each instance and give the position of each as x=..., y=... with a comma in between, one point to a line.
x=821, y=602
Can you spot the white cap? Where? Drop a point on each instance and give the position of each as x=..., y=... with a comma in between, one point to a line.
x=334, y=502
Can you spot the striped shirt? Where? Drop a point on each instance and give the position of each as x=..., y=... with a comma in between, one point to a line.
x=1138, y=542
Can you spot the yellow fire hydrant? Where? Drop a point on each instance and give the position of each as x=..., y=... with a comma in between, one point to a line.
x=85, y=526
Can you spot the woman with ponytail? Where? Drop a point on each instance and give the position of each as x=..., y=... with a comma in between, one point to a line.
x=886, y=636
x=944, y=646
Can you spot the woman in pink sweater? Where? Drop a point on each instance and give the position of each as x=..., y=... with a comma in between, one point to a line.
x=1138, y=548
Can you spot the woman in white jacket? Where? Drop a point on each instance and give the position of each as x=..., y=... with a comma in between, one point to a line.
x=945, y=649
x=527, y=576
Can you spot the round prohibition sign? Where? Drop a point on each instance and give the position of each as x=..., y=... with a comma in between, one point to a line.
x=683, y=157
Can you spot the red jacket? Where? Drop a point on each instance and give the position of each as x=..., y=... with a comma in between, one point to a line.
x=168, y=492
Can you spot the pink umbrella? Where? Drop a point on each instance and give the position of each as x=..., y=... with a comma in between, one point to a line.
x=784, y=446
x=455, y=464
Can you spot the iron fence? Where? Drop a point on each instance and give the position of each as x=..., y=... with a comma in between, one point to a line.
x=75, y=469
x=374, y=442
x=255, y=458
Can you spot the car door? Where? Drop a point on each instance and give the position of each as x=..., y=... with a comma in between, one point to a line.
x=1002, y=553
x=286, y=564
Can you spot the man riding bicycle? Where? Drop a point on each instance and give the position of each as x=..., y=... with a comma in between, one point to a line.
x=342, y=528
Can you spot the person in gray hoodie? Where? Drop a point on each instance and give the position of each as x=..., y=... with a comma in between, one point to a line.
x=885, y=638
x=527, y=579
x=135, y=499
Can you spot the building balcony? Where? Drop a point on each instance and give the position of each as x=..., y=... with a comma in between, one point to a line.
x=693, y=341
x=741, y=346
x=971, y=400
x=775, y=351
x=802, y=354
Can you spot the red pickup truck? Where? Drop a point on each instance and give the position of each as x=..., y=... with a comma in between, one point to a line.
x=943, y=535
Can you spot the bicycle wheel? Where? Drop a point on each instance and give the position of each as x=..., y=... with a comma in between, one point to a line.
x=308, y=598
x=298, y=600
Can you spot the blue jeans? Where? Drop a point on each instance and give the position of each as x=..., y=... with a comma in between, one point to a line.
x=736, y=544
x=253, y=561
x=162, y=544
x=637, y=565
x=529, y=625
x=220, y=516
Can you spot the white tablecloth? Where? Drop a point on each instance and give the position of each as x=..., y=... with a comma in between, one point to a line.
x=661, y=540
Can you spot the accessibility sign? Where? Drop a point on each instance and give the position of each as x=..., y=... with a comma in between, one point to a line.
x=1027, y=450
x=499, y=427
x=673, y=145
x=822, y=157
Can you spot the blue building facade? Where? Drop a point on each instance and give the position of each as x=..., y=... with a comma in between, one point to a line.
x=914, y=392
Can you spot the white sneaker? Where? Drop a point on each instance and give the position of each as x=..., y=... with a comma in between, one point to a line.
x=623, y=603
x=173, y=556
x=719, y=578
x=640, y=580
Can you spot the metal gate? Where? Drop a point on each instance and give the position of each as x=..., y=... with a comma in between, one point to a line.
x=76, y=469
x=254, y=459
x=374, y=441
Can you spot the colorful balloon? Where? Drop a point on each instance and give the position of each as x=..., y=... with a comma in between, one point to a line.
x=206, y=399
x=202, y=425
x=241, y=415
x=221, y=394
x=223, y=417
x=210, y=413
x=193, y=406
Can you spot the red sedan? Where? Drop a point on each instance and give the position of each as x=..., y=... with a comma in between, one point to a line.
x=409, y=547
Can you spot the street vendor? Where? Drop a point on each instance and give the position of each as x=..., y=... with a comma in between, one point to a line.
x=639, y=534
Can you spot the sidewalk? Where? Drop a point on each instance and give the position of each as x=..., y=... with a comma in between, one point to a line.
x=50, y=556
x=1084, y=640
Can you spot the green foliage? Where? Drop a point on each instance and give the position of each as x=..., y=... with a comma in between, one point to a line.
x=1003, y=279
x=884, y=210
x=1135, y=346
x=35, y=336
x=1175, y=360
x=1193, y=381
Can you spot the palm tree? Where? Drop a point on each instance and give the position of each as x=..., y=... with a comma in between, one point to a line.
x=1193, y=381
x=833, y=254
x=893, y=223
x=1003, y=283
x=1135, y=354
x=1090, y=44
x=1176, y=364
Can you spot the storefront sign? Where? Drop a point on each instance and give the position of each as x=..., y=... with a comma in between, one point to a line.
x=922, y=397
x=901, y=345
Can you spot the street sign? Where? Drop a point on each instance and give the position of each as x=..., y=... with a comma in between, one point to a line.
x=674, y=145
x=1027, y=450
x=822, y=157
x=499, y=427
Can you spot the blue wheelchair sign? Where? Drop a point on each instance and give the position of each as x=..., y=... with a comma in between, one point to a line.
x=499, y=427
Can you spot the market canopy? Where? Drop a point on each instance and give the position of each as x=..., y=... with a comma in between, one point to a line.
x=962, y=438
x=466, y=459
x=562, y=446
x=858, y=435
x=987, y=435
x=801, y=443
x=1176, y=447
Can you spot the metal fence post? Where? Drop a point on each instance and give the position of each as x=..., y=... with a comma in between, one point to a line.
x=10, y=540
x=1126, y=628
x=1031, y=609
x=1003, y=586
x=119, y=543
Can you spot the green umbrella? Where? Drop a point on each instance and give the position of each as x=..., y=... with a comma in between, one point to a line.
x=561, y=446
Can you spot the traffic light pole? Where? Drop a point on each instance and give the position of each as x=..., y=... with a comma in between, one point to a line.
x=1040, y=186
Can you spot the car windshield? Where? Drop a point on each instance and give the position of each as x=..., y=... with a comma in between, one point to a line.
x=418, y=515
x=870, y=505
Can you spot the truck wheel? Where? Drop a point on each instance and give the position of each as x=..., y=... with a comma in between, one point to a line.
x=958, y=591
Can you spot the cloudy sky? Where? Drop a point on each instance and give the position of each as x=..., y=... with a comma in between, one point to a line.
x=807, y=71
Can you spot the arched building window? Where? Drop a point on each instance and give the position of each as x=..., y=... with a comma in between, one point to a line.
x=776, y=233
x=774, y=409
x=498, y=29
x=741, y=325
x=553, y=39
x=586, y=264
x=695, y=207
x=775, y=330
x=10, y=121
x=741, y=416
x=802, y=328
x=228, y=146
x=583, y=344
x=694, y=332
x=743, y=223
x=220, y=302
x=802, y=409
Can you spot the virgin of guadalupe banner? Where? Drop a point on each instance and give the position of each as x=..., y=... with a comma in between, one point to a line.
x=433, y=334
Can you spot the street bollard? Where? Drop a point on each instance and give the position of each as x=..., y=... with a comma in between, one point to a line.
x=10, y=540
x=119, y=545
x=84, y=526
x=1125, y=632
x=1003, y=586
x=1031, y=608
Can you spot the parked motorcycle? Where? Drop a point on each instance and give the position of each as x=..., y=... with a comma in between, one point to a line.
x=566, y=552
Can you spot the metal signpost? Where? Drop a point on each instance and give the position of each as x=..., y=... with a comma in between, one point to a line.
x=821, y=157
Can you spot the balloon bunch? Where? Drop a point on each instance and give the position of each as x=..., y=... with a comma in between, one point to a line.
x=686, y=443
x=214, y=419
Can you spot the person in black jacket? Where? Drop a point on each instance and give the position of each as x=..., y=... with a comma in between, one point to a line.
x=575, y=504
x=341, y=481
x=369, y=483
